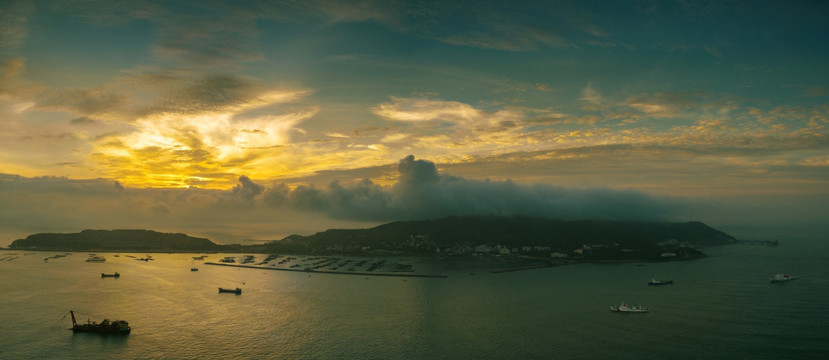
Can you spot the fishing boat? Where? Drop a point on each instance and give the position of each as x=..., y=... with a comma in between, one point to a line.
x=95, y=258
x=660, y=282
x=782, y=278
x=115, y=275
x=628, y=308
x=236, y=291
x=106, y=326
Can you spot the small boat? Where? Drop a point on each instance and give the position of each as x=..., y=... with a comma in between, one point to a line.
x=236, y=291
x=660, y=282
x=115, y=275
x=95, y=258
x=106, y=326
x=629, y=308
x=782, y=278
x=194, y=269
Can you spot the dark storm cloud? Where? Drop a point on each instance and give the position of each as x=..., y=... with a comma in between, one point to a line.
x=422, y=192
x=247, y=189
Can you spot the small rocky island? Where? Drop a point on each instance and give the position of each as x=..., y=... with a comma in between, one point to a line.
x=539, y=238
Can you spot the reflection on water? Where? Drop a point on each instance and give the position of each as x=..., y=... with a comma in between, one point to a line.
x=107, y=341
x=720, y=307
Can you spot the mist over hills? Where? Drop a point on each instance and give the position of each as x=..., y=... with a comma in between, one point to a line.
x=511, y=232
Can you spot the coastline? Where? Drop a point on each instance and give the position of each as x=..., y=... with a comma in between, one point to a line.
x=315, y=271
x=520, y=263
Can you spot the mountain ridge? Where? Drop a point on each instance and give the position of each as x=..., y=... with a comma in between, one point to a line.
x=457, y=233
x=450, y=235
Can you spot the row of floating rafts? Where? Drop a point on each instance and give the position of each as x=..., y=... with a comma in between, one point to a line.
x=98, y=258
x=56, y=256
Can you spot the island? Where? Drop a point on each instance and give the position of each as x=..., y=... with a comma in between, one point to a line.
x=115, y=240
x=528, y=237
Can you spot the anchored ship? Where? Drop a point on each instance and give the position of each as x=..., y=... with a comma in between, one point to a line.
x=782, y=278
x=629, y=308
x=106, y=326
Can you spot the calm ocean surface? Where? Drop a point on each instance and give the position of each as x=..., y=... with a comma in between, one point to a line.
x=721, y=307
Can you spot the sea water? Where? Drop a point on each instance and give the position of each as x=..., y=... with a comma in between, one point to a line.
x=719, y=307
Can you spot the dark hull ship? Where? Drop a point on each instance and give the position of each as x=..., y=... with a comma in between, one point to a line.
x=106, y=326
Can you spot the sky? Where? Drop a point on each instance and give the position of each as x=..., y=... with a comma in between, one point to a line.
x=249, y=121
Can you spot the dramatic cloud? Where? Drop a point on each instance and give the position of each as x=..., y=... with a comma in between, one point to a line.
x=53, y=204
x=200, y=130
x=422, y=192
x=246, y=190
x=560, y=104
